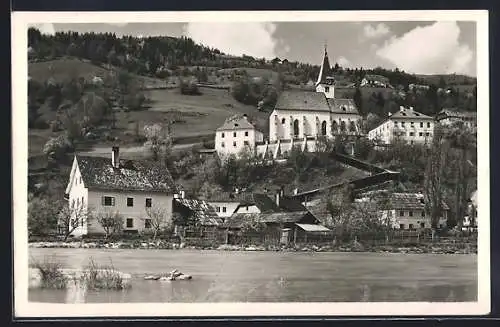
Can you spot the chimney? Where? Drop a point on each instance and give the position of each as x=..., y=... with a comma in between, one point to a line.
x=245, y=116
x=115, y=157
x=183, y=194
x=278, y=194
x=295, y=191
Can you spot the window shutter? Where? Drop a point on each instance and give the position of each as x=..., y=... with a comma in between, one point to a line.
x=102, y=200
x=113, y=201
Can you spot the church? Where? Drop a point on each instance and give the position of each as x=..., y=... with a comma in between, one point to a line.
x=300, y=118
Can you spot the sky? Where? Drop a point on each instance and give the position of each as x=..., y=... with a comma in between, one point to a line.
x=426, y=47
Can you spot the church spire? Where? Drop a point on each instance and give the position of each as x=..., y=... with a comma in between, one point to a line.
x=325, y=70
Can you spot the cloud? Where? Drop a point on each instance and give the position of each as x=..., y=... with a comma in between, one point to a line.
x=250, y=38
x=373, y=32
x=343, y=62
x=433, y=49
x=45, y=28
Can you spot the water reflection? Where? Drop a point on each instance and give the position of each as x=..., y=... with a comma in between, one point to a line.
x=277, y=277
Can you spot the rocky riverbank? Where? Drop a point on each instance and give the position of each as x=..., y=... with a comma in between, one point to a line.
x=435, y=248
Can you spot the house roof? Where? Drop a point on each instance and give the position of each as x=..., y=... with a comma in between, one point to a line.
x=236, y=122
x=325, y=70
x=409, y=113
x=379, y=78
x=231, y=197
x=202, y=211
x=453, y=112
x=302, y=100
x=313, y=228
x=289, y=204
x=343, y=106
x=404, y=200
x=237, y=219
x=133, y=175
x=264, y=202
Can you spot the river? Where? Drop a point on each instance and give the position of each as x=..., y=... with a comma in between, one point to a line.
x=226, y=276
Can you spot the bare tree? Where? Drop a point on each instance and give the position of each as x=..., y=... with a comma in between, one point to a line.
x=111, y=222
x=157, y=220
x=70, y=218
x=159, y=141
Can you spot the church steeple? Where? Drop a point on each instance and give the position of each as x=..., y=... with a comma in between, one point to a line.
x=325, y=82
x=325, y=70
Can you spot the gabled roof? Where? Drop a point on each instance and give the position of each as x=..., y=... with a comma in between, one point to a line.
x=203, y=212
x=343, y=106
x=453, y=112
x=231, y=197
x=133, y=175
x=302, y=100
x=289, y=204
x=409, y=113
x=325, y=70
x=236, y=122
x=404, y=201
x=237, y=219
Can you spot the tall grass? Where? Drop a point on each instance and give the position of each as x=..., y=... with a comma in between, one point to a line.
x=51, y=273
x=98, y=277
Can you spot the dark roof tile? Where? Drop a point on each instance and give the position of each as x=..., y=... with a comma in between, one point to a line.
x=133, y=175
x=302, y=100
x=203, y=212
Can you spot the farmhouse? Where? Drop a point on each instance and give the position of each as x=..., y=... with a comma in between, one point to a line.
x=129, y=188
x=405, y=210
x=371, y=80
x=406, y=125
x=448, y=116
x=236, y=135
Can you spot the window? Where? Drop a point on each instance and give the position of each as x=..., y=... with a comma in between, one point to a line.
x=410, y=213
x=327, y=89
x=222, y=145
x=410, y=226
x=423, y=213
x=422, y=225
x=245, y=142
x=217, y=209
x=148, y=202
x=108, y=201
x=401, y=226
x=147, y=223
x=82, y=201
x=130, y=222
x=411, y=124
x=246, y=133
x=234, y=134
x=247, y=208
x=427, y=134
x=411, y=142
x=130, y=202
x=401, y=213
x=420, y=134
x=222, y=135
x=428, y=125
x=223, y=209
x=395, y=124
x=421, y=124
x=412, y=134
x=234, y=143
x=402, y=124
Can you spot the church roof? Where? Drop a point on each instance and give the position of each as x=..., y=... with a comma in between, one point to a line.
x=409, y=113
x=325, y=70
x=343, y=106
x=300, y=100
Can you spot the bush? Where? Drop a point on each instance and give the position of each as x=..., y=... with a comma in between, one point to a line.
x=97, y=277
x=189, y=88
x=57, y=147
x=51, y=273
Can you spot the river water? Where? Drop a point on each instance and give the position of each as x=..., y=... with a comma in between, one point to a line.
x=225, y=276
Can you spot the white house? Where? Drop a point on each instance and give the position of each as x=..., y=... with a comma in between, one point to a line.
x=235, y=135
x=371, y=80
x=407, y=211
x=407, y=125
x=100, y=186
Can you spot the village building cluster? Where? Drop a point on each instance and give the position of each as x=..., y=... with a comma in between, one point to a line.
x=134, y=188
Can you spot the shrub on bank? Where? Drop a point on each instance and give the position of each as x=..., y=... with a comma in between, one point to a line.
x=51, y=273
x=97, y=277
